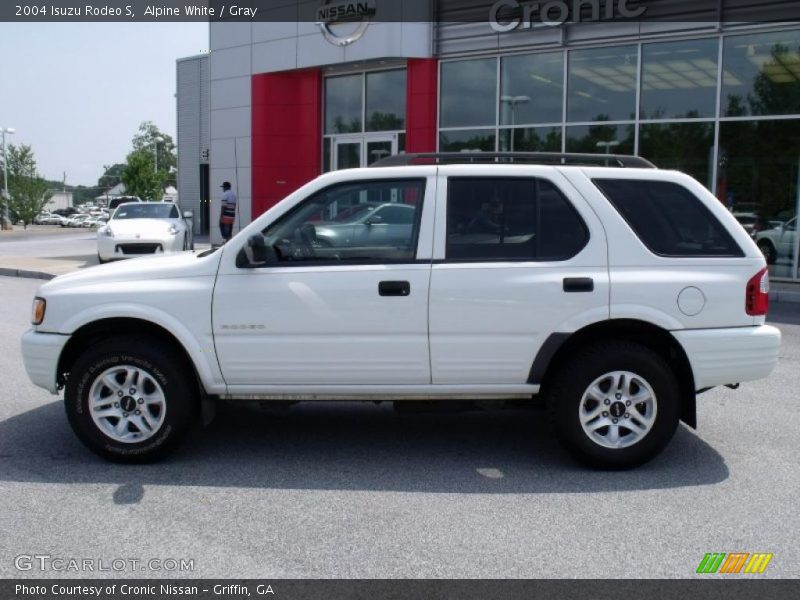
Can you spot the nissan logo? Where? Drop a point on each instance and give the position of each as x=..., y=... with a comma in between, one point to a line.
x=357, y=11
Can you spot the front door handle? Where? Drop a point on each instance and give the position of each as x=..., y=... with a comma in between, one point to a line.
x=394, y=288
x=578, y=284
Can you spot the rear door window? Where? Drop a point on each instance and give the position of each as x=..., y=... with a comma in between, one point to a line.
x=511, y=218
x=668, y=218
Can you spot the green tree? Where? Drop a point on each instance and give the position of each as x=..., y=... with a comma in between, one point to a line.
x=112, y=175
x=140, y=177
x=28, y=190
x=146, y=140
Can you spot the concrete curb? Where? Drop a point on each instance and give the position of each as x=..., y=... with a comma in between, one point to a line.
x=24, y=273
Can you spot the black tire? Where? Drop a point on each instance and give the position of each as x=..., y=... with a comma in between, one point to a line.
x=100, y=261
x=768, y=250
x=156, y=362
x=566, y=399
x=185, y=242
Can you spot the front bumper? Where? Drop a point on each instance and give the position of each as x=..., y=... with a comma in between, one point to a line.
x=40, y=353
x=731, y=355
x=109, y=248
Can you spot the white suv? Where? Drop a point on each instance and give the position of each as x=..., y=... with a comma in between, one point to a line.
x=616, y=292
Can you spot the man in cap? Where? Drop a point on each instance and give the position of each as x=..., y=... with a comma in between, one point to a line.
x=228, y=212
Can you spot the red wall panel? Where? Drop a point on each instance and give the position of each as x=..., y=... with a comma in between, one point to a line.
x=421, y=102
x=287, y=134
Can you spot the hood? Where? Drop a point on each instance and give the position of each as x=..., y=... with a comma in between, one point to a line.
x=159, y=266
x=134, y=226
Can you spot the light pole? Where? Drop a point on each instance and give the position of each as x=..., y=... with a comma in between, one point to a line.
x=608, y=145
x=157, y=140
x=4, y=131
x=512, y=102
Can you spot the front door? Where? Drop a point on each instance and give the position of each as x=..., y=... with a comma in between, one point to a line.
x=345, y=299
x=351, y=152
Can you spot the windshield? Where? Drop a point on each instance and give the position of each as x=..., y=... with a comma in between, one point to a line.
x=146, y=211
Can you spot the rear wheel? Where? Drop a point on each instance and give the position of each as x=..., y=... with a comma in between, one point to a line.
x=768, y=250
x=615, y=405
x=129, y=400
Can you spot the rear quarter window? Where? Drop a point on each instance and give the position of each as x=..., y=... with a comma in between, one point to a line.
x=669, y=219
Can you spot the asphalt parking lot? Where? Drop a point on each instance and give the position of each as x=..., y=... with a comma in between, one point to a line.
x=349, y=490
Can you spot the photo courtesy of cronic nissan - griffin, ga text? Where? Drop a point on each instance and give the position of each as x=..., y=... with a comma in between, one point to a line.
x=614, y=291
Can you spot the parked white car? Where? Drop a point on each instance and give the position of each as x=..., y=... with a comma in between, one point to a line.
x=141, y=228
x=54, y=219
x=616, y=294
x=778, y=243
x=76, y=220
x=92, y=222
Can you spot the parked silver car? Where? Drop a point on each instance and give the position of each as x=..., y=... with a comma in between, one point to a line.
x=368, y=222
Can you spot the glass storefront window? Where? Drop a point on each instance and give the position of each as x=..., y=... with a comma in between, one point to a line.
x=601, y=139
x=465, y=141
x=761, y=74
x=468, y=93
x=532, y=89
x=343, y=104
x=531, y=139
x=602, y=84
x=679, y=79
x=757, y=179
x=687, y=147
x=386, y=100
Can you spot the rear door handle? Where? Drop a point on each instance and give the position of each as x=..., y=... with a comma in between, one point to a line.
x=578, y=284
x=394, y=288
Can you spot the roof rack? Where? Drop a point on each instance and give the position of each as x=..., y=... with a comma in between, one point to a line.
x=538, y=158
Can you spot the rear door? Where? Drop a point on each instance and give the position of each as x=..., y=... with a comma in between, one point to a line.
x=518, y=255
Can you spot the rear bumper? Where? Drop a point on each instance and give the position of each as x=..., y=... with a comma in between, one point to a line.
x=732, y=355
x=40, y=353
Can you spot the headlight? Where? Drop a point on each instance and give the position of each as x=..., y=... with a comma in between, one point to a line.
x=106, y=231
x=173, y=230
x=39, y=305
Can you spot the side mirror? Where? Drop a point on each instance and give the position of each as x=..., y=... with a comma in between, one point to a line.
x=374, y=220
x=255, y=253
x=187, y=214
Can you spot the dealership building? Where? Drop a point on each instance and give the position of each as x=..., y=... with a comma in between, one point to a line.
x=300, y=92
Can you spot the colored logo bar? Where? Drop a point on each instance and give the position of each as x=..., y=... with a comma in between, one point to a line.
x=734, y=563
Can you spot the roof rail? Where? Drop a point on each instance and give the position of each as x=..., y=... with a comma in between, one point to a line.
x=538, y=158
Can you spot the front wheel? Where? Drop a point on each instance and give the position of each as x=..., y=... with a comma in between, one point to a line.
x=615, y=405
x=130, y=401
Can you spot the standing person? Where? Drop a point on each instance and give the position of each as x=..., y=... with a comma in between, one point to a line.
x=227, y=213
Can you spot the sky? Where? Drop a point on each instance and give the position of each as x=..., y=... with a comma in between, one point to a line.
x=77, y=92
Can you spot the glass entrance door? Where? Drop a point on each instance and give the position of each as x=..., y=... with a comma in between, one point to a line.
x=361, y=151
x=348, y=155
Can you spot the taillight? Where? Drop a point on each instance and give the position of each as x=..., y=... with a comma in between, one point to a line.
x=757, y=298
